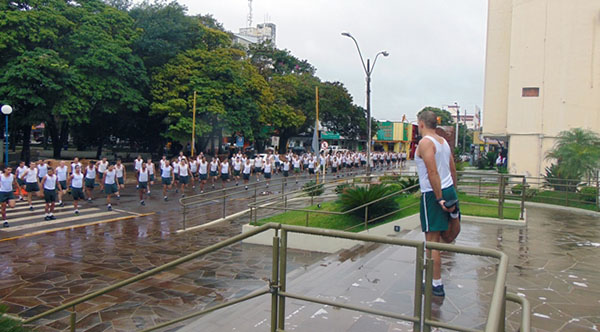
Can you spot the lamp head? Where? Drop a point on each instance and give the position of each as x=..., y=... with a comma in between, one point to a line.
x=385, y=53
x=347, y=34
x=6, y=109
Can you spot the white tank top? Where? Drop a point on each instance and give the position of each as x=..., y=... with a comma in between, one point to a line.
x=6, y=183
x=77, y=181
x=203, y=167
x=193, y=166
x=442, y=160
x=214, y=166
x=237, y=165
x=143, y=177
x=166, y=171
x=286, y=166
x=119, y=170
x=42, y=170
x=21, y=170
x=183, y=170
x=102, y=167
x=247, y=168
x=150, y=167
x=61, y=172
x=111, y=177
x=50, y=183
x=267, y=168
x=90, y=173
x=224, y=168
x=31, y=176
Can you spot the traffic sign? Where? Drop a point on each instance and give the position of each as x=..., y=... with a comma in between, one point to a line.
x=324, y=145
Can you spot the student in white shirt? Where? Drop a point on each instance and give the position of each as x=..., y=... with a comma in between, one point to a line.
x=258, y=167
x=62, y=171
x=20, y=182
x=7, y=181
x=121, y=177
x=225, y=170
x=184, y=175
x=50, y=184
x=166, y=175
x=246, y=171
x=32, y=184
x=110, y=184
x=76, y=181
x=237, y=170
x=102, y=167
x=214, y=170
x=74, y=164
x=142, y=182
x=90, y=180
x=202, y=173
x=151, y=169
x=193, y=171
x=268, y=170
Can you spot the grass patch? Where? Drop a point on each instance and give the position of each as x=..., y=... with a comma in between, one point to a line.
x=562, y=198
x=346, y=221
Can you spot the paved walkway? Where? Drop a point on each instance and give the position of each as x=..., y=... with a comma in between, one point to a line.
x=553, y=262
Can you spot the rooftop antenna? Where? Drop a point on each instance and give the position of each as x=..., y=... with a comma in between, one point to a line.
x=249, y=13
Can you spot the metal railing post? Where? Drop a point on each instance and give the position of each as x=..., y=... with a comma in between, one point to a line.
x=524, y=189
x=479, y=195
x=184, y=215
x=366, y=218
x=501, y=198
x=274, y=282
x=73, y=320
x=307, y=218
x=501, y=321
x=428, y=291
x=598, y=192
x=418, y=285
x=282, y=278
x=224, y=204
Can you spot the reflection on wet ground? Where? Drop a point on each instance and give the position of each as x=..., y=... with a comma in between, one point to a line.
x=553, y=262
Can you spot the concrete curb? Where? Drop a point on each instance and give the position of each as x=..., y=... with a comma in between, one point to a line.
x=560, y=207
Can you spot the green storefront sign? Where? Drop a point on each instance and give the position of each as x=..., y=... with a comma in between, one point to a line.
x=330, y=135
x=386, y=131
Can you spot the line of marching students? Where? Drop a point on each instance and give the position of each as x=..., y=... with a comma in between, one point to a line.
x=52, y=183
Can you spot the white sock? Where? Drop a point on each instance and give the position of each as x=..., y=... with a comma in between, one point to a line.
x=436, y=282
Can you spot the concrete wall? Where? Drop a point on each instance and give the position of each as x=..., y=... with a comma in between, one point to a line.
x=553, y=45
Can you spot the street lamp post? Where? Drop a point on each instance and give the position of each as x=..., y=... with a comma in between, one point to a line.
x=368, y=71
x=6, y=110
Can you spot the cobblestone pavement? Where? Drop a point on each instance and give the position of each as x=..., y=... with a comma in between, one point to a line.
x=553, y=262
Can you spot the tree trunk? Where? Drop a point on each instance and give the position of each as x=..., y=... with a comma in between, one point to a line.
x=26, y=151
x=52, y=128
x=99, y=149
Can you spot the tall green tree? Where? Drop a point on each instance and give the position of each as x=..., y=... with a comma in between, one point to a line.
x=576, y=153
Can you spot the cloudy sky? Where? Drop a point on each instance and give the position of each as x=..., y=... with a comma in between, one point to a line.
x=437, y=47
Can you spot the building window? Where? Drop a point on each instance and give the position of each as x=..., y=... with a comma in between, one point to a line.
x=531, y=92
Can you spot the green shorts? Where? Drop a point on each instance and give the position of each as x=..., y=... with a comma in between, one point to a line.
x=236, y=173
x=110, y=188
x=77, y=193
x=49, y=196
x=120, y=180
x=6, y=196
x=184, y=179
x=142, y=185
x=152, y=177
x=296, y=170
x=20, y=182
x=32, y=187
x=63, y=185
x=166, y=181
x=203, y=176
x=89, y=183
x=433, y=217
x=224, y=176
x=268, y=175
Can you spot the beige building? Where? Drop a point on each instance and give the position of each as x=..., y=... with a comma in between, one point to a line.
x=542, y=75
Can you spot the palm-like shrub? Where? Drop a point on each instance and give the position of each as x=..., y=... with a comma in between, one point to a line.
x=313, y=189
x=576, y=152
x=561, y=179
x=356, y=196
x=410, y=182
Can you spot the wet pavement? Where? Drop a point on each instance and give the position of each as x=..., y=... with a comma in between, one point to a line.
x=553, y=262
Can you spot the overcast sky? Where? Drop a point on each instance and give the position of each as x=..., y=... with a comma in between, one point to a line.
x=437, y=47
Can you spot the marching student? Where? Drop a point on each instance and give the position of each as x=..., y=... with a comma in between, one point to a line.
x=74, y=164
x=32, y=183
x=7, y=181
x=163, y=161
x=49, y=183
x=258, y=167
x=193, y=171
x=166, y=176
x=247, y=169
x=311, y=167
x=184, y=175
x=20, y=182
x=61, y=172
x=237, y=169
x=76, y=181
x=42, y=167
x=214, y=170
x=121, y=177
x=296, y=164
x=268, y=170
x=110, y=184
x=175, y=163
x=102, y=167
x=142, y=182
x=90, y=180
x=286, y=169
x=137, y=164
x=224, y=172
x=277, y=161
x=202, y=173
x=151, y=169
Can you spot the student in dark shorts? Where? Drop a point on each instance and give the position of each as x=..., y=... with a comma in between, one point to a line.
x=246, y=171
x=142, y=182
x=225, y=169
x=110, y=184
x=7, y=183
x=50, y=184
x=90, y=179
x=76, y=181
x=32, y=184
x=166, y=176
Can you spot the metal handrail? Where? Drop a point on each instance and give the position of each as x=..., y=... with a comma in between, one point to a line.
x=277, y=283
